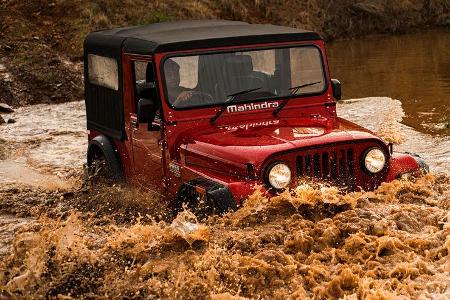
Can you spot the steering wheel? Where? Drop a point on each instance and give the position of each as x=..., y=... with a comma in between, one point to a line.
x=193, y=98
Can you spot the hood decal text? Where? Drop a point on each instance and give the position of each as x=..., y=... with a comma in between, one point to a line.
x=251, y=106
x=247, y=126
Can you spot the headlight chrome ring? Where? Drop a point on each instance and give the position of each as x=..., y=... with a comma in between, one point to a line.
x=279, y=175
x=374, y=160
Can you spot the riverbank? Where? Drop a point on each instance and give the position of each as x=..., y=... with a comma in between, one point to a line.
x=41, y=41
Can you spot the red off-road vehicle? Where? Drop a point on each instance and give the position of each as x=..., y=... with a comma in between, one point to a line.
x=210, y=109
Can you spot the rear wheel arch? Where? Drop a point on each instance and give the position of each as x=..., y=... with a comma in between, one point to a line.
x=101, y=146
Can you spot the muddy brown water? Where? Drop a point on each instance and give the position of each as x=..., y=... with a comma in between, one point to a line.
x=414, y=68
x=393, y=243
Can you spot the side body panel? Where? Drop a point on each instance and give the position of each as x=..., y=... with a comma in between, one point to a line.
x=147, y=146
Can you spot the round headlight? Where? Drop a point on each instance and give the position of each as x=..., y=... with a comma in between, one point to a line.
x=374, y=160
x=279, y=176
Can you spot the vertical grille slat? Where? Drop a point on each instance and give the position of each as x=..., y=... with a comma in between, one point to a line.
x=334, y=174
x=337, y=166
x=325, y=165
x=308, y=166
x=300, y=166
x=317, y=169
x=351, y=175
x=342, y=166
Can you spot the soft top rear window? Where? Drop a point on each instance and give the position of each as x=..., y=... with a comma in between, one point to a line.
x=103, y=71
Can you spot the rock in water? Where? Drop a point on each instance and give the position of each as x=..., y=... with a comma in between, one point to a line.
x=5, y=108
x=11, y=121
x=2, y=121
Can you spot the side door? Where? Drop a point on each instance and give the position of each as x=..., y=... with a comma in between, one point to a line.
x=146, y=137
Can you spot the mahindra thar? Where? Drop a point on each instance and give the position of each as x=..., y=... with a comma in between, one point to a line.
x=209, y=110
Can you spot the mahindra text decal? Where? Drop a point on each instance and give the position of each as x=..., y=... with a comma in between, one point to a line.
x=252, y=125
x=251, y=106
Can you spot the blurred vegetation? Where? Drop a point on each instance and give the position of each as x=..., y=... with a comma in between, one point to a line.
x=42, y=39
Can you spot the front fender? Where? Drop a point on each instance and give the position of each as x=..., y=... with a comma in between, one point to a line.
x=405, y=164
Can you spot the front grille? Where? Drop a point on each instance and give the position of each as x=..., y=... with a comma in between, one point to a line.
x=336, y=166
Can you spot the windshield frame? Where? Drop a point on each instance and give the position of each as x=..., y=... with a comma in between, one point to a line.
x=243, y=49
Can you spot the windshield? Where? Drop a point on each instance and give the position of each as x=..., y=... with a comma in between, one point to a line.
x=210, y=79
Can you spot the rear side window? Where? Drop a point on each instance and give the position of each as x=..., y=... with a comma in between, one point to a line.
x=103, y=71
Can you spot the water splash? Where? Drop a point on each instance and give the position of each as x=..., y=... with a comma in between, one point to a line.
x=311, y=243
x=384, y=115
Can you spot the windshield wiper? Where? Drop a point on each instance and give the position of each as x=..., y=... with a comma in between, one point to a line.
x=294, y=90
x=229, y=101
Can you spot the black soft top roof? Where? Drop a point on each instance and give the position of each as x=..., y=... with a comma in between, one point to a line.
x=187, y=35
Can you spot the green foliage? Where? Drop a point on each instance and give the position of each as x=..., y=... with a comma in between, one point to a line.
x=160, y=17
x=154, y=17
x=22, y=59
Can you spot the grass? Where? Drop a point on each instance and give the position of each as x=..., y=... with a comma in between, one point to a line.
x=23, y=58
x=153, y=17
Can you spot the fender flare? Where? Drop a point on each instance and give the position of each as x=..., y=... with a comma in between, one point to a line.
x=103, y=144
x=405, y=163
x=424, y=167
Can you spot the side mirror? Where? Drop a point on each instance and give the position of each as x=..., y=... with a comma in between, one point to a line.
x=146, y=111
x=337, y=92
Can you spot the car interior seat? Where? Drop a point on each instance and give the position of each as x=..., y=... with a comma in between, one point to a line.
x=147, y=89
x=238, y=75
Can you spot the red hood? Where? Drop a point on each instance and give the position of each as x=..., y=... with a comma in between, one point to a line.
x=233, y=146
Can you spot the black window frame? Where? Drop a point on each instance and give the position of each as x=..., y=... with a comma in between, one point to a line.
x=159, y=115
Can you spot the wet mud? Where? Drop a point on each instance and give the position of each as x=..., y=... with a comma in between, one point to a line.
x=79, y=241
x=306, y=243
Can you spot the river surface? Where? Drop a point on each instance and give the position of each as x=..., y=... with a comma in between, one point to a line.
x=392, y=243
x=397, y=86
x=48, y=143
x=414, y=68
